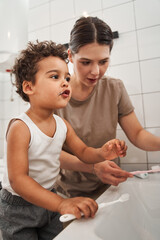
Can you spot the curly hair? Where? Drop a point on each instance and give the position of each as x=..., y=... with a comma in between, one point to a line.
x=26, y=65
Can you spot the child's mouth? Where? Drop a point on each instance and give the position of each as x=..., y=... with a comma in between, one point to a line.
x=65, y=93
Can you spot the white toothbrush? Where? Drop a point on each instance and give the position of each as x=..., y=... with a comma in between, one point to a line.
x=69, y=217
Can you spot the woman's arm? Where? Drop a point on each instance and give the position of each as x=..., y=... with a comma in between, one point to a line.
x=108, y=172
x=137, y=134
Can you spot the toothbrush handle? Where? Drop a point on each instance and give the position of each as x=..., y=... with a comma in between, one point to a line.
x=68, y=217
x=102, y=205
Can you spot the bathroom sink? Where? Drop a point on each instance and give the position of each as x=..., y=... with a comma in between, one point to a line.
x=136, y=219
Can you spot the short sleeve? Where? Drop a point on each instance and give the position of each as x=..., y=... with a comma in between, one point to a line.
x=125, y=105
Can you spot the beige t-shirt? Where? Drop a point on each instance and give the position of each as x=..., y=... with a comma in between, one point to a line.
x=95, y=122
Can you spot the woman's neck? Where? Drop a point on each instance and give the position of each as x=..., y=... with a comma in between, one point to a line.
x=80, y=91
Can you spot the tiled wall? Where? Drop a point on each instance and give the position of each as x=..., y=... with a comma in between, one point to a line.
x=135, y=57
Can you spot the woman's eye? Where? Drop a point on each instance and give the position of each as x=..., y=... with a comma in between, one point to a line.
x=85, y=63
x=103, y=62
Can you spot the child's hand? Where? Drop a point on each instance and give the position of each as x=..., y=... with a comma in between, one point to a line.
x=77, y=205
x=113, y=149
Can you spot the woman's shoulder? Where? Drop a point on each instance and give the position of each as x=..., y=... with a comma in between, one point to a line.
x=108, y=82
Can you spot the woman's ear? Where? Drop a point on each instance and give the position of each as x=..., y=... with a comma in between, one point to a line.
x=27, y=87
x=70, y=55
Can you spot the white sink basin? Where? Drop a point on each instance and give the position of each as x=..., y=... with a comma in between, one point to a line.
x=136, y=219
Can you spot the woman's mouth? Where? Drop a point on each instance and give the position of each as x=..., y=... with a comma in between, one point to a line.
x=92, y=80
x=65, y=93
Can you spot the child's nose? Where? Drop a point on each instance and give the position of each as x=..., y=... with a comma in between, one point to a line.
x=64, y=83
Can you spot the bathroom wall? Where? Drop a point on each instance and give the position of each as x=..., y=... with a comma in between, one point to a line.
x=135, y=58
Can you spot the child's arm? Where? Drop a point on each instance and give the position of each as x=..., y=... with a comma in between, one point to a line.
x=110, y=150
x=18, y=139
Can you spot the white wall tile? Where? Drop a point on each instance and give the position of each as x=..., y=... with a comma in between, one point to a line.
x=1, y=91
x=35, y=3
x=154, y=157
x=87, y=6
x=60, y=33
x=39, y=17
x=23, y=106
x=11, y=109
x=1, y=109
x=150, y=72
x=129, y=74
x=109, y=3
x=120, y=18
x=124, y=49
x=149, y=42
x=9, y=91
x=138, y=105
x=134, y=154
x=98, y=14
x=1, y=148
x=61, y=10
x=152, y=109
x=147, y=13
x=134, y=167
x=2, y=128
x=41, y=35
x=6, y=122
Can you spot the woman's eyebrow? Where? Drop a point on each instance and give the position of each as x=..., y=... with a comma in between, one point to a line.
x=87, y=59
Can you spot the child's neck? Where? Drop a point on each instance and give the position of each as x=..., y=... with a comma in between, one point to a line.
x=45, y=122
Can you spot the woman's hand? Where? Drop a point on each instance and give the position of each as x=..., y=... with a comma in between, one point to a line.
x=78, y=205
x=110, y=173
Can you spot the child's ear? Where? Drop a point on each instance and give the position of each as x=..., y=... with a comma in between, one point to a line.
x=70, y=56
x=27, y=87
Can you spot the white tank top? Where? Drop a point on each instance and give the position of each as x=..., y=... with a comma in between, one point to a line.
x=43, y=154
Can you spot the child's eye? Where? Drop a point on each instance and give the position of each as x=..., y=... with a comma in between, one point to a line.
x=68, y=79
x=54, y=76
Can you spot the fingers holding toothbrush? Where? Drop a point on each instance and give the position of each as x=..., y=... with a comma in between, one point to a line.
x=78, y=206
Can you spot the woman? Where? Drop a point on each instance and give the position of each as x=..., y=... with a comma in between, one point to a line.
x=98, y=103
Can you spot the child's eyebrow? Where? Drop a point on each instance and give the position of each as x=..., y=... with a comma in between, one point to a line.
x=52, y=71
x=57, y=71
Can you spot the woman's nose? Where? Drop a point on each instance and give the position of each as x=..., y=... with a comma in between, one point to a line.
x=95, y=69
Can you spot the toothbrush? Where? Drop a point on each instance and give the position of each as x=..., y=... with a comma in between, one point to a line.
x=123, y=198
x=146, y=171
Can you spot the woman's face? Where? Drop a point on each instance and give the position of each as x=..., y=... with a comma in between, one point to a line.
x=90, y=63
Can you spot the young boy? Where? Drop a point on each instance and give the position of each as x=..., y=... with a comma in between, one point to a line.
x=29, y=207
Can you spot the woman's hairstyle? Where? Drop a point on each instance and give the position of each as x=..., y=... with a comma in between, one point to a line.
x=26, y=65
x=90, y=30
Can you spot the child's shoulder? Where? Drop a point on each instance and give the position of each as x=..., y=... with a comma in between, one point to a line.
x=60, y=121
x=17, y=129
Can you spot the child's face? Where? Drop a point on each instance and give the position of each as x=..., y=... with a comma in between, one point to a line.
x=52, y=89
